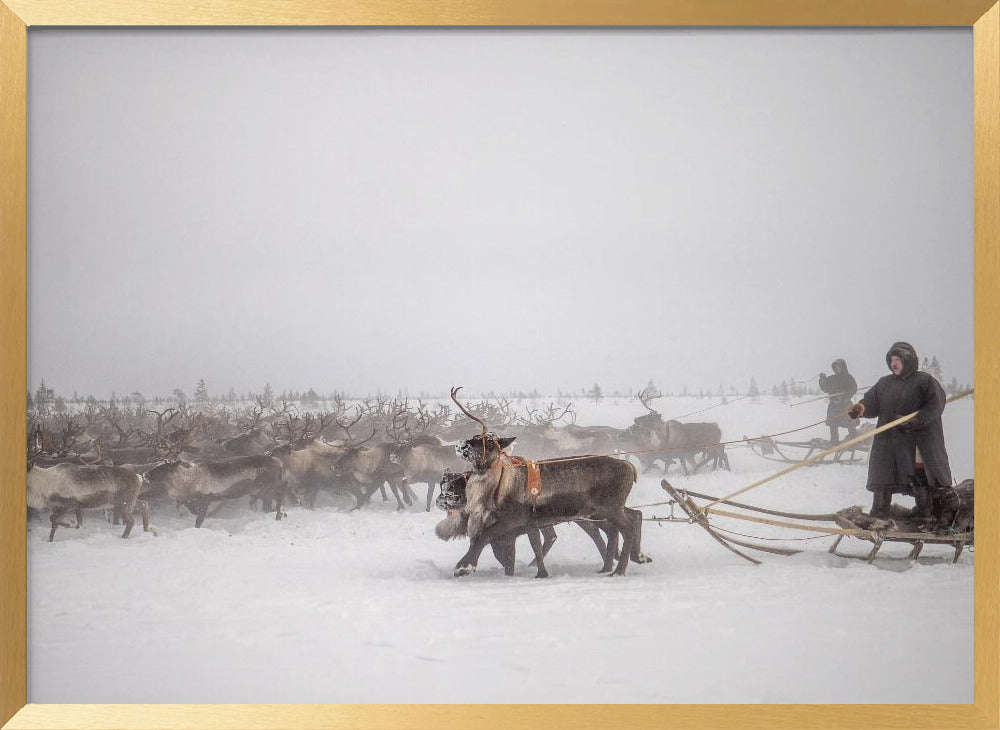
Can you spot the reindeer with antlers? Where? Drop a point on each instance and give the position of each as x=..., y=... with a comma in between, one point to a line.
x=669, y=440
x=364, y=469
x=507, y=496
x=67, y=487
x=308, y=462
x=422, y=457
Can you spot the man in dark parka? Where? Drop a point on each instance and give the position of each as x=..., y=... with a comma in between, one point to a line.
x=841, y=386
x=910, y=458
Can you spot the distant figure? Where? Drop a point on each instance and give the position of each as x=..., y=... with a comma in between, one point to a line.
x=841, y=386
x=910, y=458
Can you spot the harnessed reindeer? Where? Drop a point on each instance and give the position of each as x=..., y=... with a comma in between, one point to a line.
x=506, y=496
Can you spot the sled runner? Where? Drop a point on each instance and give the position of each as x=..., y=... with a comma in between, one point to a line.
x=951, y=524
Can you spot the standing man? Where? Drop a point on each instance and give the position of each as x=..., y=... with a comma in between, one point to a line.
x=910, y=458
x=841, y=386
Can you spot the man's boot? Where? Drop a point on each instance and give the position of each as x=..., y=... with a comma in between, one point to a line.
x=834, y=435
x=881, y=499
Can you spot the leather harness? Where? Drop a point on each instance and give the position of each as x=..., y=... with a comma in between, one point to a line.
x=533, y=485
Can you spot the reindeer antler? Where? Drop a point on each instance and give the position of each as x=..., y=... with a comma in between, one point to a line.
x=466, y=411
x=644, y=398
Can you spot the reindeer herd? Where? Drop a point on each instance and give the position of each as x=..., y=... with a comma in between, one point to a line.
x=272, y=455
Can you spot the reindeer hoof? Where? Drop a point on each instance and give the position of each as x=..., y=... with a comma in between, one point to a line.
x=643, y=559
x=464, y=570
x=542, y=574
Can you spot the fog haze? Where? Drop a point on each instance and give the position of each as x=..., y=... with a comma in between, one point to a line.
x=500, y=209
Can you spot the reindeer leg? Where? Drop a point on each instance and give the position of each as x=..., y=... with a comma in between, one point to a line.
x=129, y=522
x=57, y=513
x=595, y=534
x=468, y=562
x=403, y=486
x=402, y=489
x=127, y=505
x=371, y=491
x=534, y=537
x=611, y=552
x=200, y=510
x=385, y=495
x=549, y=537
x=624, y=524
x=280, y=498
x=395, y=493
x=503, y=551
x=360, y=498
x=144, y=511
x=636, y=554
x=430, y=494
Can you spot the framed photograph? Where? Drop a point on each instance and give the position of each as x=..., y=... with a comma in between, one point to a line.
x=519, y=247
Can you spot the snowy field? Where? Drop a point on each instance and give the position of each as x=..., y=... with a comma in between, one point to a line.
x=333, y=606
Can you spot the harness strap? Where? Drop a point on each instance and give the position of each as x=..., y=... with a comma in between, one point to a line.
x=534, y=481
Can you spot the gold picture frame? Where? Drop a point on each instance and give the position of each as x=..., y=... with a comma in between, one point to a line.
x=17, y=16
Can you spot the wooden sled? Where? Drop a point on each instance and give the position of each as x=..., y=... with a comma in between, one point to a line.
x=953, y=509
x=896, y=529
x=796, y=452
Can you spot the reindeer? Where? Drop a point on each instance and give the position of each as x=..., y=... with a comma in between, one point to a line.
x=656, y=439
x=70, y=487
x=307, y=462
x=249, y=443
x=499, y=503
x=197, y=484
x=422, y=457
x=703, y=439
x=456, y=524
x=365, y=469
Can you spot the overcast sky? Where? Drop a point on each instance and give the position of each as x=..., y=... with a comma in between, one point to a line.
x=499, y=209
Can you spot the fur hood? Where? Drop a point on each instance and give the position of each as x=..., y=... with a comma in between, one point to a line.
x=907, y=353
x=841, y=362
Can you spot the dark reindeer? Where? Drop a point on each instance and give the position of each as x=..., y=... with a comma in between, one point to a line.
x=703, y=439
x=671, y=440
x=456, y=524
x=582, y=488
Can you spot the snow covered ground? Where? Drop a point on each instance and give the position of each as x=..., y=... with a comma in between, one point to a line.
x=331, y=606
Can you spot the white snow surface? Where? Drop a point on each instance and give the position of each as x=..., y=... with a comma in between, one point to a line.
x=339, y=606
